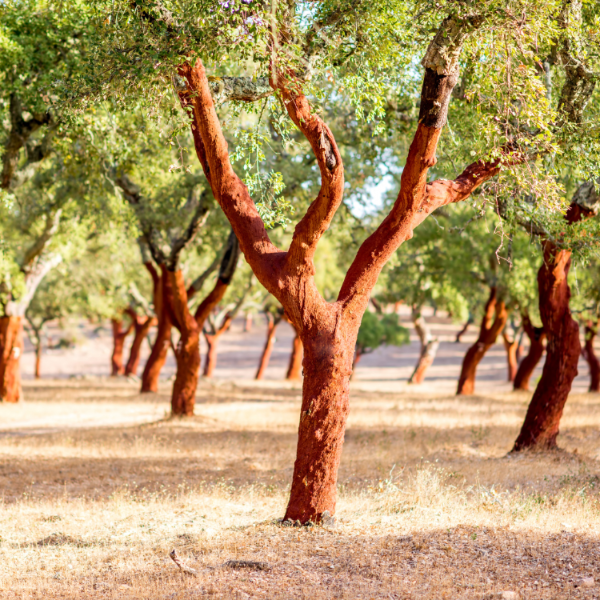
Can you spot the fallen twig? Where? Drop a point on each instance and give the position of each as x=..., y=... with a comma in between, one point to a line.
x=183, y=568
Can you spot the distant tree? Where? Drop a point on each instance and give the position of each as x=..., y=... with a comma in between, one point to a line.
x=375, y=331
x=274, y=314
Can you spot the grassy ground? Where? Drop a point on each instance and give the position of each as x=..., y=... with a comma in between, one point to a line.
x=97, y=487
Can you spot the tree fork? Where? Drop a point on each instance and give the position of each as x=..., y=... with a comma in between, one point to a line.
x=493, y=322
x=537, y=347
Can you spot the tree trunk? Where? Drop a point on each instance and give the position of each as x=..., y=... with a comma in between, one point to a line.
x=268, y=348
x=160, y=349
x=248, y=322
x=11, y=349
x=211, y=354
x=464, y=329
x=511, y=345
x=429, y=348
x=119, y=335
x=590, y=355
x=38, y=356
x=487, y=338
x=542, y=421
x=325, y=405
x=142, y=328
x=294, y=372
x=183, y=398
x=537, y=339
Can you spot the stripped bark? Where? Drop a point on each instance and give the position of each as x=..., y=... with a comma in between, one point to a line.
x=294, y=372
x=462, y=332
x=429, y=347
x=493, y=322
x=273, y=321
x=511, y=345
x=119, y=336
x=212, y=340
x=162, y=342
x=11, y=347
x=537, y=347
x=541, y=426
x=142, y=325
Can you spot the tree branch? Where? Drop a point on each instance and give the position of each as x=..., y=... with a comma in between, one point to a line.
x=227, y=269
x=38, y=247
x=20, y=132
x=417, y=199
x=316, y=221
x=231, y=193
x=196, y=222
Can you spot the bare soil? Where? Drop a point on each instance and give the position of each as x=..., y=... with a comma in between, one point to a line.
x=98, y=485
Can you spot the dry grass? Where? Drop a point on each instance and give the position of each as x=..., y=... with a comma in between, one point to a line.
x=97, y=487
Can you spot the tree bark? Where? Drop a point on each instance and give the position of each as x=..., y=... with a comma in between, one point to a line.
x=511, y=345
x=541, y=425
x=493, y=322
x=212, y=340
x=11, y=350
x=183, y=398
x=429, y=348
x=119, y=335
x=537, y=339
x=248, y=322
x=142, y=325
x=38, y=357
x=464, y=329
x=591, y=330
x=160, y=349
x=294, y=372
x=272, y=324
x=328, y=362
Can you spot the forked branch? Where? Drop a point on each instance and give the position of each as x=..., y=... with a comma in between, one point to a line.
x=229, y=190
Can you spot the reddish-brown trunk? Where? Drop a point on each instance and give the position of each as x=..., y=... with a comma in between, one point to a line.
x=463, y=330
x=119, y=335
x=268, y=348
x=160, y=349
x=248, y=322
x=294, y=372
x=490, y=329
x=429, y=348
x=142, y=326
x=511, y=345
x=183, y=398
x=38, y=357
x=328, y=362
x=428, y=354
x=11, y=350
x=537, y=340
x=212, y=340
x=542, y=421
x=590, y=356
x=210, y=362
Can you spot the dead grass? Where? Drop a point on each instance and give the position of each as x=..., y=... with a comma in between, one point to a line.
x=98, y=486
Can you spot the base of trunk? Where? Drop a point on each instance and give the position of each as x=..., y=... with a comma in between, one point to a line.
x=11, y=350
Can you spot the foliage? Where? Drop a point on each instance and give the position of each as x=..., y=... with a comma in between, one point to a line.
x=378, y=331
